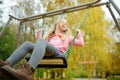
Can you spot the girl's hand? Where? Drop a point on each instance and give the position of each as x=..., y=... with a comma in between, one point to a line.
x=39, y=32
x=78, y=31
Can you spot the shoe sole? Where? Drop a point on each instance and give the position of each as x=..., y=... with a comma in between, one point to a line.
x=8, y=73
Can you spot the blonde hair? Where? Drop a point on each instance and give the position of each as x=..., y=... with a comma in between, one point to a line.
x=53, y=29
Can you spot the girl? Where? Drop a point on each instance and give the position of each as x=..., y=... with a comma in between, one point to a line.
x=55, y=43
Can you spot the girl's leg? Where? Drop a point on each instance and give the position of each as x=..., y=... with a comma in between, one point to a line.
x=42, y=48
x=20, y=52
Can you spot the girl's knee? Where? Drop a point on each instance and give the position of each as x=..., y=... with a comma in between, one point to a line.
x=41, y=42
x=28, y=44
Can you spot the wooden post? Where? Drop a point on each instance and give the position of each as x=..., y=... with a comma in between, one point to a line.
x=4, y=27
x=88, y=63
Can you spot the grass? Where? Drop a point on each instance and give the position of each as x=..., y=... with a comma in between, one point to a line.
x=113, y=79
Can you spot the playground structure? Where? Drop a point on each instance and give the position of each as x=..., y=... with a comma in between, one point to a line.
x=58, y=12
x=66, y=10
x=88, y=63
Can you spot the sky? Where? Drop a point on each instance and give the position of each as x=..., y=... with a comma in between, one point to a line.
x=9, y=3
x=107, y=13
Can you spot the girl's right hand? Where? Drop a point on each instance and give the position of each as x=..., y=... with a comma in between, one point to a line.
x=39, y=32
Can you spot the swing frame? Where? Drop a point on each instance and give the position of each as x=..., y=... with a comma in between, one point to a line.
x=66, y=10
x=58, y=12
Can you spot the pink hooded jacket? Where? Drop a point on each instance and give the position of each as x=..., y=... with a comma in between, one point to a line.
x=62, y=45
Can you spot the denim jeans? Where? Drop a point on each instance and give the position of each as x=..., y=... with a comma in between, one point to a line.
x=40, y=49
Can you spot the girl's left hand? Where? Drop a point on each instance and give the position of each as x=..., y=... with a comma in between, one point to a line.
x=78, y=31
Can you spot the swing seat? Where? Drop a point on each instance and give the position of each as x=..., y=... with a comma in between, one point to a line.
x=52, y=62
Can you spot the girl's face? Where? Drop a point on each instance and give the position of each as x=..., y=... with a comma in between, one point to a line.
x=63, y=25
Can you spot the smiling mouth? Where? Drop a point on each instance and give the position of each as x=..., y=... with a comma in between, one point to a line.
x=64, y=26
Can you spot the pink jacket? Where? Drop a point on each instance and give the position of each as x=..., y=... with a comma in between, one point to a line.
x=62, y=45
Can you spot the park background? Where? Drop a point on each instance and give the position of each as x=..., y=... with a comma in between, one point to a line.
x=101, y=37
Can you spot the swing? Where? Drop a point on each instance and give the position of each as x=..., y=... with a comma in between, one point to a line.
x=52, y=62
x=59, y=61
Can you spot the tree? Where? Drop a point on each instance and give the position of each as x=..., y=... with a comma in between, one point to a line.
x=0, y=12
x=24, y=9
x=115, y=53
x=7, y=43
x=98, y=42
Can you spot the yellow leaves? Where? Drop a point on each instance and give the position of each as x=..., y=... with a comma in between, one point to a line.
x=96, y=37
x=60, y=1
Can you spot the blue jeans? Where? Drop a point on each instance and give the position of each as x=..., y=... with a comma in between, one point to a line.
x=40, y=49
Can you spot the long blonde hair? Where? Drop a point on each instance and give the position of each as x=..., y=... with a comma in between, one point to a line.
x=53, y=29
